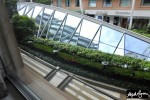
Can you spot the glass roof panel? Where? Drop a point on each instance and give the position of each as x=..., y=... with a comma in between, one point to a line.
x=37, y=10
x=69, y=27
x=110, y=36
x=95, y=42
x=21, y=12
x=135, y=45
x=106, y=48
x=29, y=14
x=56, y=22
x=88, y=29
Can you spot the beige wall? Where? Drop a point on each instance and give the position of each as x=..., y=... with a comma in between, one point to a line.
x=99, y=5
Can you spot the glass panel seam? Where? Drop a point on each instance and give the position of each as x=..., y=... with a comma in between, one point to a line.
x=60, y=26
x=80, y=31
x=75, y=30
x=118, y=43
x=63, y=27
x=46, y=24
x=40, y=22
x=52, y=16
x=94, y=35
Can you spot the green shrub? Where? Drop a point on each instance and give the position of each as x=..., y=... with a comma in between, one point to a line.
x=11, y=6
x=48, y=2
x=85, y=72
x=148, y=29
x=94, y=55
x=92, y=59
x=23, y=26
x=142, y=31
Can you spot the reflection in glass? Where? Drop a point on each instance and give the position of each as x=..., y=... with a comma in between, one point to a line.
x=55, y=24
x=95, y=42
x=45, y=21
x=87, y=33
x=70, y=26
x=38, y=18
x=75, y=37
x=140, y=47
x=59, y=33
x=135, y=55
x=37, y=10
x=92, y=3
x=110, y=36
x=120, y=49
x=106, y=48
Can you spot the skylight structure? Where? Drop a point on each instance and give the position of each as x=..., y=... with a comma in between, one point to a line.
x=74, y=28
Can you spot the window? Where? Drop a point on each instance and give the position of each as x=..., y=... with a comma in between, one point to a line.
x=125, y=2
x=146, y=2
x=67, y=3
x=58, y=3
x=107, y=3
x=92, y=3
x=77, y=3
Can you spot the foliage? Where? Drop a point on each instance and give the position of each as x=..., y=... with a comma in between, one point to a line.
x=148, y=29
x=48, y=2
x=92, y=59
x=95, y=55
x=85, y=72
x=11, y=6
x=23, y=26
x=143, y=31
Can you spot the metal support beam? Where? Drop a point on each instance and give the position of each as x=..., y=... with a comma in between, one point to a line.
x=38, y=34
x=46, y=24
x=63, y=28
x=75, y=30
x=60, y=26
x=52, y=16
x=119, y=43
x=94, y=36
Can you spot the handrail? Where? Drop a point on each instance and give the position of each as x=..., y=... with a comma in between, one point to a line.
x=77, y=77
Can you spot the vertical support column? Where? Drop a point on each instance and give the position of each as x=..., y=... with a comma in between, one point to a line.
x=111, y=19
x=81, y=6
x=9, y=38
x=131, y=16
x=119, y=22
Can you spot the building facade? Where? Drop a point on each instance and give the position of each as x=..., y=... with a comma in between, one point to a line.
x=116, y=12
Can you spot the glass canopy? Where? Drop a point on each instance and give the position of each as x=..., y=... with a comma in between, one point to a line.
x=70, y=27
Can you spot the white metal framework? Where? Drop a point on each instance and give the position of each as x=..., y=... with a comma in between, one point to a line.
x=77, y=29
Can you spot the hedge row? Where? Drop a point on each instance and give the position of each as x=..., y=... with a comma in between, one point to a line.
x=94, y=55
x=126, y=73
x=93, y=59
x=79, y=70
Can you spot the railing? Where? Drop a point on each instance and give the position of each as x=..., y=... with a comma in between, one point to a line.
x=67, y=81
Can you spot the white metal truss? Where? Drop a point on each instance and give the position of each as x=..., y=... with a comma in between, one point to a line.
x=57, y=27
